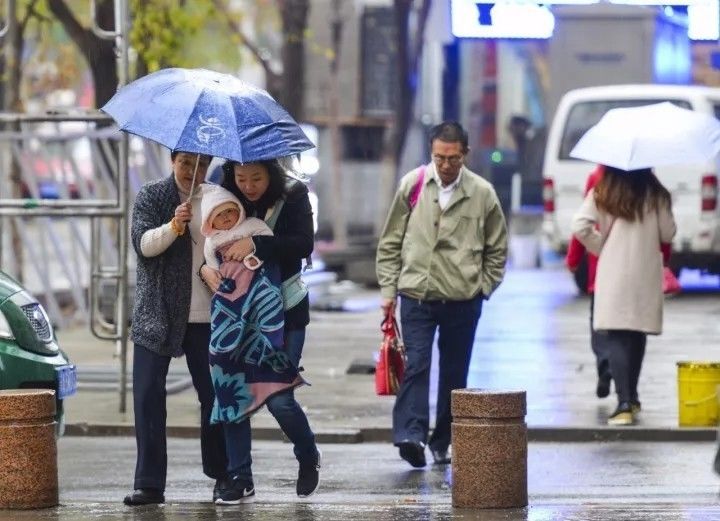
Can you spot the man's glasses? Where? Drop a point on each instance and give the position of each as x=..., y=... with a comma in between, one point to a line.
x=452, y=160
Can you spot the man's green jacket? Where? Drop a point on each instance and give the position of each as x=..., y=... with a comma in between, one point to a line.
x=452, y=254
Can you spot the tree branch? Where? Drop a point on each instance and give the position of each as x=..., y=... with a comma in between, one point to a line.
x=29, y=14
x=99, y=52
x=294, y=23
x=77, y=32
x=221, y=6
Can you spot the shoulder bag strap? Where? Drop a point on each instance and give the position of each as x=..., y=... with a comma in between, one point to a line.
x=417, y=188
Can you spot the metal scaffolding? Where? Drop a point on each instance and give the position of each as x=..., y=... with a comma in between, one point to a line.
x=95, y=209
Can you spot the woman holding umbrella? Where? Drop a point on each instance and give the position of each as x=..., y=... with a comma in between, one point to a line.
x=170, y=319
x=266, y=191
x=623, y=220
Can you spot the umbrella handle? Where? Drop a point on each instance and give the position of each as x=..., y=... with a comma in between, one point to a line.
x=192, y=186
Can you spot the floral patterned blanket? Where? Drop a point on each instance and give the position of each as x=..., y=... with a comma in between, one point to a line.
x=247, y=360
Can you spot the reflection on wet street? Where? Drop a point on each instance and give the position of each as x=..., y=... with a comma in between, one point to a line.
x=534, y=336
x=394, y=512
x=367, y=481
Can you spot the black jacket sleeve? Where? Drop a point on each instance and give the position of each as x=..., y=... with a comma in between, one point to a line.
x=293, y=236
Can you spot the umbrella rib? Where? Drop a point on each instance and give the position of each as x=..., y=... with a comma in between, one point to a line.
x=237, y=126
x=185, y=127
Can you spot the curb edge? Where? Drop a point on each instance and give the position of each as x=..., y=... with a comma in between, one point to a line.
x=379, y=434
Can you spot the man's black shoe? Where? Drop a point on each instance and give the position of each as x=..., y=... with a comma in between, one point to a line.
x=144, y=496
x=220, y=485
x=440, y=457
x=413, y=452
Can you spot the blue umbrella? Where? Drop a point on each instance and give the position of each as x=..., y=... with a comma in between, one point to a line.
x=206, y=112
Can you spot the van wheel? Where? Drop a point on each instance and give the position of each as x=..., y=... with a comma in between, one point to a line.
x=581, y=276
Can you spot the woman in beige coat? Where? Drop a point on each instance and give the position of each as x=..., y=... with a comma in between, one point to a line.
x=633, y=214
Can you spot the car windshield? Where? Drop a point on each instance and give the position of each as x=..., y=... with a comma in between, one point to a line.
x=586, y=114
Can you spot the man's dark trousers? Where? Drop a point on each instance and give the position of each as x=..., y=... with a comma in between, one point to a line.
x=149, y=397
x=456, y=321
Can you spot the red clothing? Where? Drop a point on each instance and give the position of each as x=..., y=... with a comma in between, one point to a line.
x=576, y=250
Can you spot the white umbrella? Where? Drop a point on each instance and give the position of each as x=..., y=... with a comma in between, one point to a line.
x=649, y=136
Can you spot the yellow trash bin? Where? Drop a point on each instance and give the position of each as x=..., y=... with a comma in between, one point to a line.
x=698, y=393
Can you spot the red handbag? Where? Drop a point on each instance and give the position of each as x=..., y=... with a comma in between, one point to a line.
x=390, y=366
x=671, y=285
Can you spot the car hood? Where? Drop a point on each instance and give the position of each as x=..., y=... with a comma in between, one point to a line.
x=8, y=286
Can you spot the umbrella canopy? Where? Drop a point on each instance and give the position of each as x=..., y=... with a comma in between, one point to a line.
x=206, y=112
x=648, y=136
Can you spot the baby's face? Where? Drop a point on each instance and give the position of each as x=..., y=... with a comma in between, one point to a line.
x=226, y=219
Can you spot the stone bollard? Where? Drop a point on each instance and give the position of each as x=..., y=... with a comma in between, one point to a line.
x=28, y=450
x=489, y=449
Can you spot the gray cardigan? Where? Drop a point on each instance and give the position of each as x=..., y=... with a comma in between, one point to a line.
x=164, y=282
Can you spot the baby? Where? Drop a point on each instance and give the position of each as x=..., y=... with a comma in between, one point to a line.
x=223, y=223
x=247, y=323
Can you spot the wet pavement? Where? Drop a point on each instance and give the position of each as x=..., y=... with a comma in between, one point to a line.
x=568, y=481
x=533, y=335
x=397, y=512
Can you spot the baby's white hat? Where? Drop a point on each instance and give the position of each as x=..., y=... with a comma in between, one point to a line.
x=215, y=199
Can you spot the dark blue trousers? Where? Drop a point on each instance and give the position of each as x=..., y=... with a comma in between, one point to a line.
x=149, y=398
x=456, y=322
x=599, y=344
x=627, y=350
x=288, y=413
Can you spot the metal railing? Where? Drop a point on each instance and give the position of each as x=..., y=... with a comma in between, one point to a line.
x=71, y=213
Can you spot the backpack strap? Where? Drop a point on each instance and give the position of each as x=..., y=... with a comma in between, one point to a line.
x=417, y=188
x=274, y=211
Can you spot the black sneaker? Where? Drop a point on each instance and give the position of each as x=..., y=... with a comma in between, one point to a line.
x=309, y=477
x=238, y=490
x=220, y=485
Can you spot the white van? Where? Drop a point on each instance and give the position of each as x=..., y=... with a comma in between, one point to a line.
x=694, y=188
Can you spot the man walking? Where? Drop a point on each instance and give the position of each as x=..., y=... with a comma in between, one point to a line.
x=443, y=251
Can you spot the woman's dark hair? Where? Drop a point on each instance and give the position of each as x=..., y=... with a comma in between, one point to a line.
x=275, y=189
x=625, y=194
